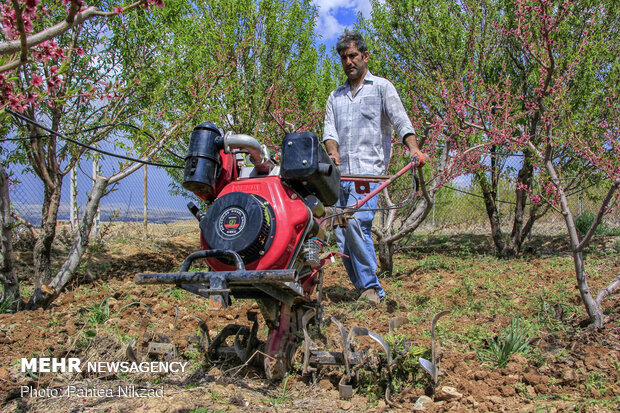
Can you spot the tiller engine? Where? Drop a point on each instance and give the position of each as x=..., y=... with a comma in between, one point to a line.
x=262, y=240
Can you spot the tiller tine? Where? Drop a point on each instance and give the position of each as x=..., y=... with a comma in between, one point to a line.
x=431, y=366
x=244, y=342
x=309, y=344
x=130, y=353
x=348, y=357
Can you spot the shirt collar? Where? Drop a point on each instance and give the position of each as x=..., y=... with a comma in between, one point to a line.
x=369, y=78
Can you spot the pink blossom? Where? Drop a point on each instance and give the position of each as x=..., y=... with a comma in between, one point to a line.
x=36, y=80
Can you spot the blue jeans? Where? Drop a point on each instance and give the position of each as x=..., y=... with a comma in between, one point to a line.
x=361, y=265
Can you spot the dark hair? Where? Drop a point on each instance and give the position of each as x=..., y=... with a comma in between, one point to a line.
x=349, y=37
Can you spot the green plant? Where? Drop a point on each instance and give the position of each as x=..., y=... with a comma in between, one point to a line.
x=584, y=221
x=284, y=395
x=513, y=339
x=100, y=313
x=6, y=306
x=406, y=370
x=596, y=380
x=178, y=294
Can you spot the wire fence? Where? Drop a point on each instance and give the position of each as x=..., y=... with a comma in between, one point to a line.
x=459, y=206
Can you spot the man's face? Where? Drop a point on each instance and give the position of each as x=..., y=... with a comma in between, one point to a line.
x=354, y=62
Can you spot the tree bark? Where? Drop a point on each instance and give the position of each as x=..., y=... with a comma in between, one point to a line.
x=489, y=194
x=42, y=251
x=80, y=242
x=519, y=229
x=592, y=307
x=10, y=284
x=387, y=237
x=385, y=252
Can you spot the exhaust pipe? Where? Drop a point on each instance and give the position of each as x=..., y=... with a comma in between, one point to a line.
x=259, y=154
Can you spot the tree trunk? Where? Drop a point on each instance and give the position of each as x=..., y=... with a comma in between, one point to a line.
x=42, y=252
x=519, y=229
x=489, y=195
x=80, y=242
x=10, y=285
x=385, y=251
x=592, y=307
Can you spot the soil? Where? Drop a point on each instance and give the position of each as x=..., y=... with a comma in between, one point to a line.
x=574, y=369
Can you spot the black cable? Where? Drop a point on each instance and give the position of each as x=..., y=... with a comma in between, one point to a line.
x=64, y=137
x=476, y=195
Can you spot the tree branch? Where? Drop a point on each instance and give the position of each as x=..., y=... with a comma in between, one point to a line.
x=599, y=215
x=609, y=290
x=72, y=20
x=25, y=223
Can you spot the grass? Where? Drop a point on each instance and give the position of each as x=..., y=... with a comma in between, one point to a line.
x=97, y=314
x=6, y=306
x=512, y=340
x=283, y=396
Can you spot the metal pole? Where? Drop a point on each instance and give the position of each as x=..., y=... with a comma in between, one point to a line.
x=360, y=202
x=145, y=202
x=73, y=200
x=97, y=219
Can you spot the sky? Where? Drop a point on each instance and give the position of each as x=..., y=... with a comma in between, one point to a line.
x=335, y=15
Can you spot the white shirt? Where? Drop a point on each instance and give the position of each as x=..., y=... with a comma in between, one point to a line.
x=362, y=124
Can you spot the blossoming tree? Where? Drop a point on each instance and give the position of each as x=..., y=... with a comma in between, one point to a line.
x=537, y=77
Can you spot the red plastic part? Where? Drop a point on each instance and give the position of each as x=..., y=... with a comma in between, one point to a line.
x=291, y=220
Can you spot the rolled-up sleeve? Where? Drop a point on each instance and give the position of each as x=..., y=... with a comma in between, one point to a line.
x=329, y=129
x=396, y=112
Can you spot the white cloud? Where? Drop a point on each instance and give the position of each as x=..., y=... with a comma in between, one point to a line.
x=329, y=25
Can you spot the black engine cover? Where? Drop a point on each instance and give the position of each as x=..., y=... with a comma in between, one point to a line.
x=308, y=169
x=241, y=222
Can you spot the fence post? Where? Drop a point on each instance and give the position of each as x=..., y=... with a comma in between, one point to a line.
x=145, y=202
x=96, y=171
x=73, y=214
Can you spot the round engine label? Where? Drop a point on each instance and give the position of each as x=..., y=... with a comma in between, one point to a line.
x=231, y=222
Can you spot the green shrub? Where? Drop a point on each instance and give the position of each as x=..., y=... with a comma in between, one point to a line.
x=584, y=221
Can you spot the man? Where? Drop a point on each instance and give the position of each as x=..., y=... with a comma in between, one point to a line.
x=359, y=119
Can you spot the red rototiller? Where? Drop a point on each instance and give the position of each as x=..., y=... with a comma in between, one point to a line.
x=262, y=240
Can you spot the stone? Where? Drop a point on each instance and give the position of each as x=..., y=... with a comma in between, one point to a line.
x=422, y=404
x=569, y=375
x=530, y=391
x=344, y=404
x=472, y=401
x=448, y=393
